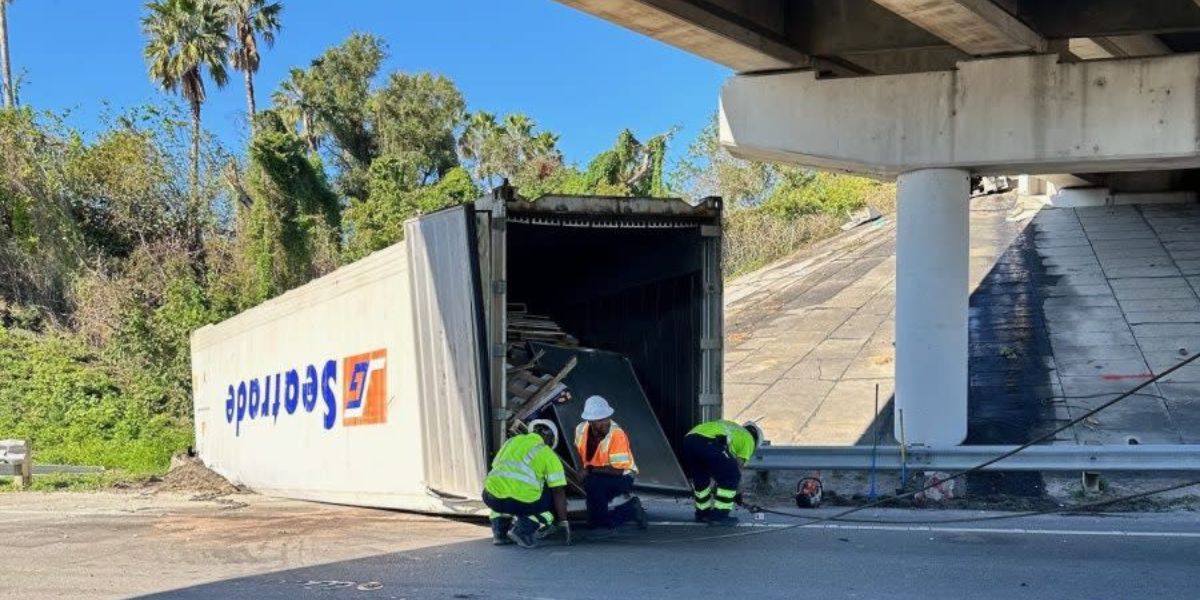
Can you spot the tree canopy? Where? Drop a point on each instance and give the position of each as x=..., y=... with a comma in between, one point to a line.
x=116, y=244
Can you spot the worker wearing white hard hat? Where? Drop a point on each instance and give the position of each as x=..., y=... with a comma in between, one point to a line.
x=526, y=488
x=608, y=467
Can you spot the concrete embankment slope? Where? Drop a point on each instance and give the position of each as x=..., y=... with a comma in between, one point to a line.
x=1068, y=308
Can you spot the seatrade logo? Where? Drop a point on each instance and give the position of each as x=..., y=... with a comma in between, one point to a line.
x=356, y=386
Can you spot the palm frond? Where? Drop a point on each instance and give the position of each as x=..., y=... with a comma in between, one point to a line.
x=184, y=38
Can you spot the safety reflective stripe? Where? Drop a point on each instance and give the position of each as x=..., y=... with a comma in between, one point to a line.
x=514, y=475
x=524, y=469
x=724, y=499
x=702, y=494
x=554, y=478
x=621, y=460
x=529, y=456
x=704, y=499
x=547, y=518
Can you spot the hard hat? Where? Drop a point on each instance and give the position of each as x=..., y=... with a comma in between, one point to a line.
x=596, y=408
x=756, y=432
x=545, y=424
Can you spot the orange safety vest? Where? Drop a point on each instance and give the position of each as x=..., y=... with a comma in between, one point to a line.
x=612, y=451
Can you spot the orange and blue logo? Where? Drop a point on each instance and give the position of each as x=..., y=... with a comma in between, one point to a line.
x=364, y=393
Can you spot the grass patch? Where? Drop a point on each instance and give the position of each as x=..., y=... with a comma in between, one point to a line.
x=758, y=236
x=77, y=482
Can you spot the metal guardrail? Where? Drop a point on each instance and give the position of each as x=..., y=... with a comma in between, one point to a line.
x=42, y=469
x=1108, y=458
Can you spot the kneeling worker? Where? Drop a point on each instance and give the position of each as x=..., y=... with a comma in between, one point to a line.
x=713, y=456
x=526, y=488
x=608, y=467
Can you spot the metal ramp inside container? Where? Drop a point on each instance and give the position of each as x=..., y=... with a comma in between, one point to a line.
x=611, y=375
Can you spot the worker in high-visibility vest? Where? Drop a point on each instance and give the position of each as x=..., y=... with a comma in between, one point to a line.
x=713, y=456
x=608, y=467
x=526, y=488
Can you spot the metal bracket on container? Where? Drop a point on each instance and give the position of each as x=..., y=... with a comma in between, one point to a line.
x=499, y=286
x=710, y=231
x=710, y=399
x=710, y=343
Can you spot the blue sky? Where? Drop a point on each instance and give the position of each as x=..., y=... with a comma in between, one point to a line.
x=572, y=73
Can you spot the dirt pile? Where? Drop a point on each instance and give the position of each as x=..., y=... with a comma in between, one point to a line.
x=188, y=474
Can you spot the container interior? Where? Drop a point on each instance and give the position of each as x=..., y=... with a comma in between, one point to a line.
x=635, y=291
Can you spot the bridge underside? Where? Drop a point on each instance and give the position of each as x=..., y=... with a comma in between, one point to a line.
x=1097, y=95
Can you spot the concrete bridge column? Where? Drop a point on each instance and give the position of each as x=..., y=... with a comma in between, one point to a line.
x=932, y=291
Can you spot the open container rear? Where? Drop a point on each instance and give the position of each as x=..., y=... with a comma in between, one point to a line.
x=639, y=277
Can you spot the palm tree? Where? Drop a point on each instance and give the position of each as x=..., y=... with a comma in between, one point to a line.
x=183, y=39
x=9, y=95
x=478, y=142
x=251, y=19
x=293, y=101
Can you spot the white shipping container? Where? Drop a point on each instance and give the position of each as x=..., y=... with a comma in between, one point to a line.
x=381, y=384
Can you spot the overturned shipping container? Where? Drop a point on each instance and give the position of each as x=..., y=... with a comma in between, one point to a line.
x=383, y=383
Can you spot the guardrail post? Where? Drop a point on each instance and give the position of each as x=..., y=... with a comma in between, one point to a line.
x=27, y=466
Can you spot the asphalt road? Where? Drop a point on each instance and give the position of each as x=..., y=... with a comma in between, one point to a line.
x=143, y=543
x=1045, y=557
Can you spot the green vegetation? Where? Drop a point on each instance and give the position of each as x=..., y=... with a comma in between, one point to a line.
x=81, y=408
x=116, y=244
x=772, y=210
x=79, y=482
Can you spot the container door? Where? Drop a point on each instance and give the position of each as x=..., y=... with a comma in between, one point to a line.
x=450, y=341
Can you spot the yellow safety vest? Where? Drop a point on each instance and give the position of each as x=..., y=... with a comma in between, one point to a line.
x=741, y=443
x=524, y=465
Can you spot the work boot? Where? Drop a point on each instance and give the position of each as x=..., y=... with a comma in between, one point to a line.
x=722, y=518
x=500, y=527
x=522, y=533
x=546, y=531
x=702, y=516
x=639, y=514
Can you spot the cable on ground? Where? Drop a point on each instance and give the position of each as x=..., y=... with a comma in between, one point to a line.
x=1045, y=437
x=1076, y=508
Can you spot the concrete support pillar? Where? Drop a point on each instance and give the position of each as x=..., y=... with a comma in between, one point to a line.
x=932, y=261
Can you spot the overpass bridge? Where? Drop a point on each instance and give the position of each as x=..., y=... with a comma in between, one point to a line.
x=1101, y=93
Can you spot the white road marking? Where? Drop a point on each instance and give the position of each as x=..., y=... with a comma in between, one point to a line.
x=934, y=529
